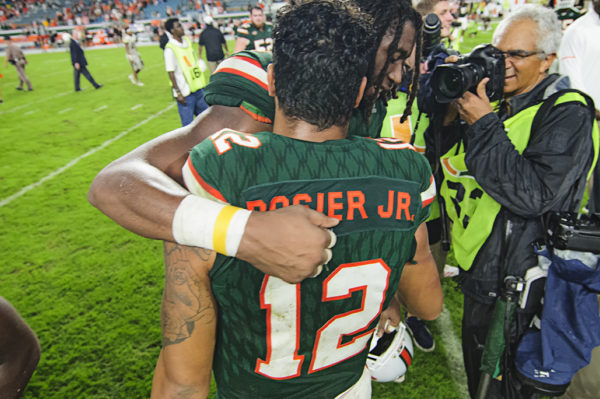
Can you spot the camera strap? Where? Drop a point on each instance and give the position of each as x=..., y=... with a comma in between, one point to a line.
x=549, y=102
x=538, y=119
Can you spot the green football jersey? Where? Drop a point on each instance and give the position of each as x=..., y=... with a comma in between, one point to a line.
x=260, y=38
x=310, y=340
x=241, y=81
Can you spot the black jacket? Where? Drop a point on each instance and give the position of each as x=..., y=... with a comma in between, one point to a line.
x=77, y=55
x=213, y=40
x=549, y=175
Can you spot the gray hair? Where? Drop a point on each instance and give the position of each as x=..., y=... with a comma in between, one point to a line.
x=549, y=31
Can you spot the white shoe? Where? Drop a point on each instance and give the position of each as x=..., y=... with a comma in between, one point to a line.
x=139, y=84
x=132, y=79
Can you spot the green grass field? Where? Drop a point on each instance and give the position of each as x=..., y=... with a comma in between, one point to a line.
x=90, y=289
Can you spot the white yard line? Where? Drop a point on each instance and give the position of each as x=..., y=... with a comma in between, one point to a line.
x=41, y=100
x=45, y=99
x=64, y=93
x=454, y=356
x=15, y=108
x=102, y=107
x=65, y=110
x=136, y=107
x=73, y=162
x=30, y=112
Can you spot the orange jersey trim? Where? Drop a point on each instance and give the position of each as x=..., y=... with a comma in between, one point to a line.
x=210, y=189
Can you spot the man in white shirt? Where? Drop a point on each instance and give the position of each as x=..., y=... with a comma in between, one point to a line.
x=579, y=53
x=187, y=78
x=133, y=56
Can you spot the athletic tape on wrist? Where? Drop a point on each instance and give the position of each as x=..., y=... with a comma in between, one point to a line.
x=200, y=222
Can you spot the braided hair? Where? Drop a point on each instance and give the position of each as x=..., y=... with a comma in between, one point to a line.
x=391, y=17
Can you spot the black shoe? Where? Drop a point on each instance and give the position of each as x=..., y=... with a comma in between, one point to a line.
x=19, y=88
x=1, y=101
x=30, y=89
x=99, y=86
x=78, y=90
x=422, y=337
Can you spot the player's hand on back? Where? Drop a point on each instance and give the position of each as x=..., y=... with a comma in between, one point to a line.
x=290, y=243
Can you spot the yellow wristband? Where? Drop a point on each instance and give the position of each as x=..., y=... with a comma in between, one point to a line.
x=207, y=224
x=222, y=227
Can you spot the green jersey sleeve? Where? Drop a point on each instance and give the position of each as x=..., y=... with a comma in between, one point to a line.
x=241, y=81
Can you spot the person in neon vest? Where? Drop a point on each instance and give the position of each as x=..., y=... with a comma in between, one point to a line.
x=185, y=73
x=501, y=175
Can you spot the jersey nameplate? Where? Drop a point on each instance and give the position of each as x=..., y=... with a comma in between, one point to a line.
x=361, y=204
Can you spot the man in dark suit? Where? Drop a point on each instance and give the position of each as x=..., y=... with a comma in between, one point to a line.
x=79, y=62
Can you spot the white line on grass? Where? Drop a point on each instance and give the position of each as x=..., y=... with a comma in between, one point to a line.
x=64, y=93
x=453, y=352
x=34, y=102
x=30, y=112
x=39, y=100
x=58, y=171
x=65, y=110
x=136, y=107
x=15, y=109
x=101, y=108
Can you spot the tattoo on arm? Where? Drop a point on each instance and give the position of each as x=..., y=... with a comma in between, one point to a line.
x=186, y=297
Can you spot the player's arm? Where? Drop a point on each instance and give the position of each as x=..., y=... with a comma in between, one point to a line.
x=142, y=190
x=240, y=44
x=420, y=290
x=19, y=351
x=188, y=321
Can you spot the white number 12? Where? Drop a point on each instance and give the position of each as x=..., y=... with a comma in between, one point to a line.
x=282, y=302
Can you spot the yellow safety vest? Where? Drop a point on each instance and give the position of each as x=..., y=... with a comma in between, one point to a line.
x=188, y=62
x=470, y=209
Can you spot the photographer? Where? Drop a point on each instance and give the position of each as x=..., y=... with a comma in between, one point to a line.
x=441, y=8
x=502, y=175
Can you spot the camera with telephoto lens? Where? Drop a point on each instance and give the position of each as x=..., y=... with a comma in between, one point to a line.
x=451, y=81
x=432, y=34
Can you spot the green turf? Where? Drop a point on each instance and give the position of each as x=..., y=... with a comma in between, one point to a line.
x=90, y=289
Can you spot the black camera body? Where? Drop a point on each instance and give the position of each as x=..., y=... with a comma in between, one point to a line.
x=451, y=81
x=575, y=232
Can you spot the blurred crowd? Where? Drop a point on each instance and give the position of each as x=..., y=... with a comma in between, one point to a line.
x=66, y=13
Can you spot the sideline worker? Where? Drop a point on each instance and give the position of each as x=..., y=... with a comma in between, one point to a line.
x=184, y=72
x=501, y=177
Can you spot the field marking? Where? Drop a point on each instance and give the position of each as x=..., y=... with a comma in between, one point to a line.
x=136, y=107
x=15, y=109
x=34, y=102
x=64, y=93
x=65, y=110
x=30, y=112
x=40, y=100
x=101, y=108
x=454, y=356
x=58, y=171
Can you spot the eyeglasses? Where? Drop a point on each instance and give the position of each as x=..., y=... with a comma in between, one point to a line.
x=519, y=54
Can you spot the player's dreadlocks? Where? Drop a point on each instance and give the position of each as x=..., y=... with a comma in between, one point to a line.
x=391, y=17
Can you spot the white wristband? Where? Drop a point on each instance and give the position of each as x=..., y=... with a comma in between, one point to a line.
x=200, y=222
